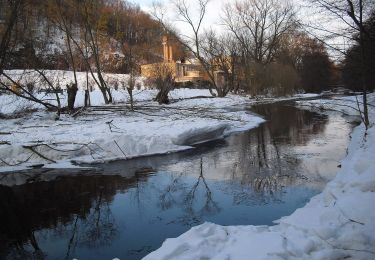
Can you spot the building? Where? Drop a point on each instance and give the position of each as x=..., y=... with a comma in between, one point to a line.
x=182, y=70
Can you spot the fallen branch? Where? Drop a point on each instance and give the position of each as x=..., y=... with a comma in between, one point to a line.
x=120, y=148
x=78, y=112
x=110, y=125
x=31, y=148
x=16, y=164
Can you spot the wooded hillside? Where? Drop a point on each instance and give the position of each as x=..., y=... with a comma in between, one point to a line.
x=122, y=32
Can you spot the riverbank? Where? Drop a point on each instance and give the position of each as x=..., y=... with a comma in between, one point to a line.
x=338, y=223
x=106, y=133
x=32, y=137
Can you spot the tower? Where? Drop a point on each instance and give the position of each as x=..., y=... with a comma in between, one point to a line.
x=167, y=50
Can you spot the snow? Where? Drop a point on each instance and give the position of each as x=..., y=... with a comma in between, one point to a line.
x=62, y=77
x=346, y=105
x=97, y=136
x=336, y=224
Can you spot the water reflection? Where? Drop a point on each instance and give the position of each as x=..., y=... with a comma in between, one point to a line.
x=249, y=178
x=77, y=208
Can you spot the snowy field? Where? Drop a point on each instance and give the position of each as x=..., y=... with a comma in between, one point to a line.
x=336, y=224
x=106, y=133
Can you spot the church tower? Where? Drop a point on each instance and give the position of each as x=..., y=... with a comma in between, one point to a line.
x=167, y=50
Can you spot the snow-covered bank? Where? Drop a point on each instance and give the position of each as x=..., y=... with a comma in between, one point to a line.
x=111, y=133
x=61, y=78
x=336, y=224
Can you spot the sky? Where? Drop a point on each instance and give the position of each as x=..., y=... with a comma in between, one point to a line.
x=212, y=18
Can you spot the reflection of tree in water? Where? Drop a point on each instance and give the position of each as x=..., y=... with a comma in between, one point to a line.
x=99, y=225
x=209, y=206
x=185, y=195
x=286, y=126
x=167, y=197
x=291, y=125
x=259, y=164
x=75, y=207
x=264, y=163
x=262, y=190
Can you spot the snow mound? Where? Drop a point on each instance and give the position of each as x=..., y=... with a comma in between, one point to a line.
x=200, y=134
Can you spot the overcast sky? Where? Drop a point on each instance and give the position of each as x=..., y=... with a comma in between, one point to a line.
x=212, y=18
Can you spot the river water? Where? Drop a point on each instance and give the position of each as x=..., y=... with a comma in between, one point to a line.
x=127, y=209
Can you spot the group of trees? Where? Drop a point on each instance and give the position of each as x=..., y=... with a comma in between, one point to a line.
x=352, y=63
x=262, y=50
x=267, y=49
x=120, y=27
x=358, y=17
x=93, y=36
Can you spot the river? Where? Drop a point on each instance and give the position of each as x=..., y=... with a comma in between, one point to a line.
x=126, y=209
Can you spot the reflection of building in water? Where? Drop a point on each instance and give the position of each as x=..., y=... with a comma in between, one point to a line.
x=183, y=70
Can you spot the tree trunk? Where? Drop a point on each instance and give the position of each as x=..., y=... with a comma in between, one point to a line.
x=366, y=119
x=162, y=97
x=130, y=91
x=110, y=99
x=363, y=67
x=72, y=92
x=87, y=98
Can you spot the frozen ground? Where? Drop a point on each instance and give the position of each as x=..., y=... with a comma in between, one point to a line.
x=105, y=133
x=336, y=224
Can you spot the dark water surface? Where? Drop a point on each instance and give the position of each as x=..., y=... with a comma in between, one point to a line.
x=127, y=209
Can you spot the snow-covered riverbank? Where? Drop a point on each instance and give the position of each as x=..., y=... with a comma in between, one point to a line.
x=336, y=224
x=111, y=133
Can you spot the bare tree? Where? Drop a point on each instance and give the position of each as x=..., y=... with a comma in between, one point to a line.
x=162, y=78
x=7, y=44
x=194, y=43
x=353, y=14
x=90, y=9
x=88, y=45
x=258, y=25
x=223, y=53
x=133, y=66
x=11, y=85
x=15, y=7
x=62, y=14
